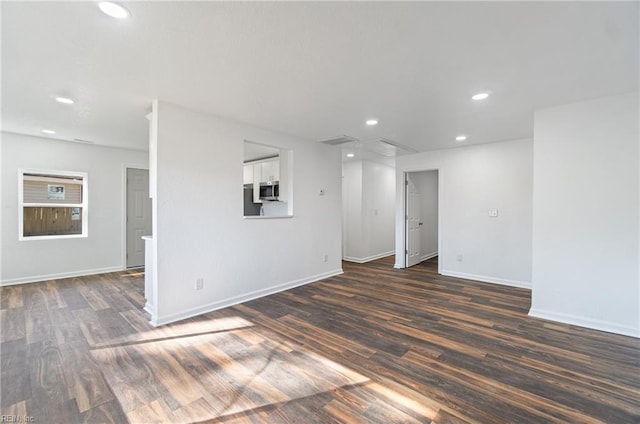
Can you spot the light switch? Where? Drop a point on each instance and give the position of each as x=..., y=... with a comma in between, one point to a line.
x=493, y=213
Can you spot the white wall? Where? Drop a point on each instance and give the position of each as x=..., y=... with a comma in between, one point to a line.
x=473, y=180
x=102, y=250
x=201, y=232
x=352, y=209
x=369, y=212
x=378, y=212
x=586, y=214
x=427, y=184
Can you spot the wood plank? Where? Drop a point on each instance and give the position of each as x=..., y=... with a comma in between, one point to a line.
x=12, y=324
x=11, y=297
x=15, y=374
x=85, y=380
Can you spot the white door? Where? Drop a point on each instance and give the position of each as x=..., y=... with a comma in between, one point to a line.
x=413, y=223
x=138, y=215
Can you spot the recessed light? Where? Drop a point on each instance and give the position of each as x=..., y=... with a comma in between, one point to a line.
x=372, y=122
x=351, y=155
x=48, y=131
x=461, y=138
x=113, y=9
x=480, y=96
x=65, y=100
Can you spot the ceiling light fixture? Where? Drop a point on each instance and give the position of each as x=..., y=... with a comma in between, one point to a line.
x=461, y=138
x=113, y=9
x=480, y=96
x=351, y=155
x=65, y=100
x=372, y=122
x=48, y=131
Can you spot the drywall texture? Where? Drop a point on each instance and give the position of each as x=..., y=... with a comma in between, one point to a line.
x=427, y=184
x=368, y=210
x=201, y=232
x=102, y=250
x=586, y=226
x=472, y=181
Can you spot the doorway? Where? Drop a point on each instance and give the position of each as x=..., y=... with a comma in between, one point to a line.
x=422, y=237
x=138, y=215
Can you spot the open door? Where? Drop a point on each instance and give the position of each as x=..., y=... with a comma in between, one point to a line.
x=138, y=215
x=413, y=224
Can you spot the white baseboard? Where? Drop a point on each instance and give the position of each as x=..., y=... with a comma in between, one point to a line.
x=485, y=279
x=47, y=277
x=368, y=258
x=428, y=256
x=178, y=316
x=594, y=324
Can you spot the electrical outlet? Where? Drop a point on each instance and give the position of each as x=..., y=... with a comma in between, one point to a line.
x=325, y=258
x=199, y=283
x=459, y=258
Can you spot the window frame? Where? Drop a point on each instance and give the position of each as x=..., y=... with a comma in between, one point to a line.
x=53, y=173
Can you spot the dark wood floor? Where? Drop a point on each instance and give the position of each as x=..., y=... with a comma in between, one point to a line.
x=372, y=345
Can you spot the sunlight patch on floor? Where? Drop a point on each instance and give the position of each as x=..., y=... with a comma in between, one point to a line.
x=198, y=376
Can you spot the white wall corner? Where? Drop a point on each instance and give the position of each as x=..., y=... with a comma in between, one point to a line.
x=585, y=208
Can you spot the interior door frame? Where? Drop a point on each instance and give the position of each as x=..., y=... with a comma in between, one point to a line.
x=405, y=199
x=406, y=219
x=125, y=167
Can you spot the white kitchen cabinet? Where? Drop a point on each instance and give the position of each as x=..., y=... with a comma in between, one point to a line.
x=248, y=173
x=269, y=170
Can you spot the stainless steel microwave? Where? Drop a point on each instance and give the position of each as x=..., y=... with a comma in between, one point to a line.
x=269, y=191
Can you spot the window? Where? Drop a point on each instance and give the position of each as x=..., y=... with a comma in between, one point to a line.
x=52, y=204
x=267, y=189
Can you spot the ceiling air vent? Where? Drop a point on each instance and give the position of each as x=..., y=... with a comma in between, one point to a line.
x=343, y=139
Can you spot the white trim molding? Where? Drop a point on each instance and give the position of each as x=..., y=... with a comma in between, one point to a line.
x=485, y=279
x=47, y=277
x=422, y=259
x=594, y=324
x=368, y=258
x=158, y=321
x=428, y=256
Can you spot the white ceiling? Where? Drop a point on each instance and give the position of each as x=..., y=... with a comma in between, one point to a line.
x=315, y=70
